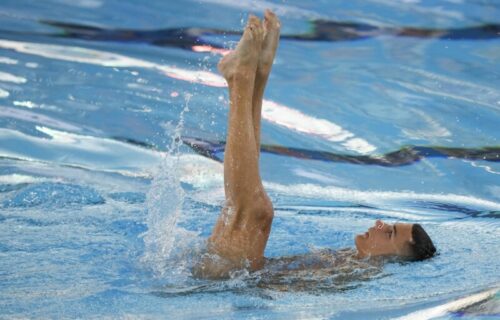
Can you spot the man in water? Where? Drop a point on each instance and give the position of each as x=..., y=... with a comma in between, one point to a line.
x=240, y=234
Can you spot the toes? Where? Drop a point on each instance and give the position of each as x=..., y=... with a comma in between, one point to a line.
x=271, y=20
x=253, y=23
x=268, y=14
x=255, y=27
x=253, y=20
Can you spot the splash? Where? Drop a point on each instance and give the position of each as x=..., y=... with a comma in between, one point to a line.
x=166, y=244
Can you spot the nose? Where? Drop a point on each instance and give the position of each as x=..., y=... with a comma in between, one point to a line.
x=379, y=224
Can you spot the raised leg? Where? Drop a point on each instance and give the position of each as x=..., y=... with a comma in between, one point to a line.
x=242, y=230
x=271, y=26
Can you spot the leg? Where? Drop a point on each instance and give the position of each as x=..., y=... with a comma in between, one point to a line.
x=269, y=45
x=241, y=232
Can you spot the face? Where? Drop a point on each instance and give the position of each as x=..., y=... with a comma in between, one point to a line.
x=385, y=240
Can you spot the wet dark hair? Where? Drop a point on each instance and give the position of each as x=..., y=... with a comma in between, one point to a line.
x=421, y=247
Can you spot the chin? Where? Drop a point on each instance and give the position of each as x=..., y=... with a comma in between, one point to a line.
x=357, y=241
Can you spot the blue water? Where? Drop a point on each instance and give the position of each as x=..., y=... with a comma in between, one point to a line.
x=103, y=209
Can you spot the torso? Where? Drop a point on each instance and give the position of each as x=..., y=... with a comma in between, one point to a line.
x=319, y=270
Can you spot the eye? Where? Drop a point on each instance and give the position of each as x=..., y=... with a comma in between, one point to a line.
x=389, y=233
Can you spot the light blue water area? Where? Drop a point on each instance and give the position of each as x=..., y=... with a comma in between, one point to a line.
x=103, y=209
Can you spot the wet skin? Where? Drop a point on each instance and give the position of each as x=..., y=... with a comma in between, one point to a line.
x=241, y=232
x=240, y=235
x=385, y=240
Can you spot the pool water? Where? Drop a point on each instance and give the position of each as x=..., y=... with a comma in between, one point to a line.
x=111, y=117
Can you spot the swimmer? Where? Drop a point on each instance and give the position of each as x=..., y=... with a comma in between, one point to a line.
x=241, y=232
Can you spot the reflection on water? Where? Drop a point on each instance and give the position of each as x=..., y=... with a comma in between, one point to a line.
x=322, y=29
x=106, y=200
x=271, y=111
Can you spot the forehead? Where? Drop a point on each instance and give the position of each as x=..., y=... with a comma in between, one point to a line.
x=403, y=231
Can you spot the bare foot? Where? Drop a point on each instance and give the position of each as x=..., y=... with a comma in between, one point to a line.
x=272, y=26
x=245, y=57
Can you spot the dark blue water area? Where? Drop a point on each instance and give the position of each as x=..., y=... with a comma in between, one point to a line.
x=112, y=122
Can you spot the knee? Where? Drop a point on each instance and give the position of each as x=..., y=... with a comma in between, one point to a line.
x=262, y=210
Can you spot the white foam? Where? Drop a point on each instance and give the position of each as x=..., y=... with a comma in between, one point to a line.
x=7, y=77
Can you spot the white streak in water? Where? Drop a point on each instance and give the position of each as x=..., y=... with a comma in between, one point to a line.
x=87, y=4
x=4, y=93
x=375, y=197
x=89, y=152
x=26, y=104
x=32, y=117
x=452, y=88
x=75, y=54
x=433, y=129
x=394, y=214
x=32, y=65
x=203, y=77
x=207, y=174
x=482, y=166
x=359, y=145
x=6, y=60
x=301, y=122
x=108, y=59
x=15, y=178
x=316, y=175
x=453, y=306
x=7, y=77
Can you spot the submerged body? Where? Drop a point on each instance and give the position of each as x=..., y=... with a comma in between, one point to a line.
x=324, y=269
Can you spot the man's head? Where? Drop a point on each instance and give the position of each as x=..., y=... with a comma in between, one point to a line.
x=409, y=241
